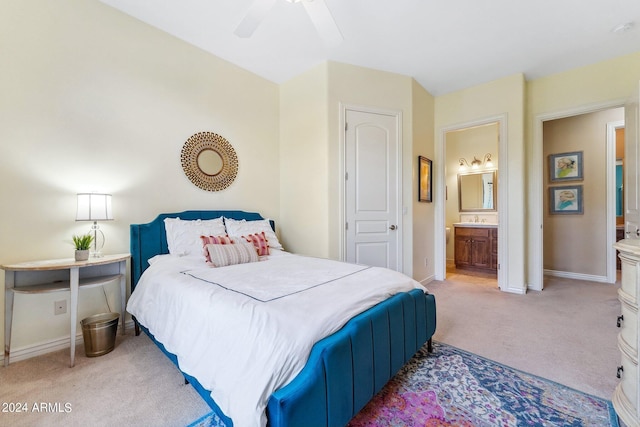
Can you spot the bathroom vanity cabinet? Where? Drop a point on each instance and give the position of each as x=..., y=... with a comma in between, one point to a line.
x=476, y=247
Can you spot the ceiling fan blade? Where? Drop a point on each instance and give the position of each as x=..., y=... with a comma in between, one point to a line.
x=323, y=21
x=253, y=18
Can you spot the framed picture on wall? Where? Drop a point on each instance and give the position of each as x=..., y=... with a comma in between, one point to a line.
x=424, y=179
x=565, y=166
x=566, y=200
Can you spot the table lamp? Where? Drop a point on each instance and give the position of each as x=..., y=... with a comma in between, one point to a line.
x=94, y=207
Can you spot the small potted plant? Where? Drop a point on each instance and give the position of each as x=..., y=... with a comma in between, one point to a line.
x=82, y=244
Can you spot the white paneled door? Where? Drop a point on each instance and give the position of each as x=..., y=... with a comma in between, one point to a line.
x=372, y=204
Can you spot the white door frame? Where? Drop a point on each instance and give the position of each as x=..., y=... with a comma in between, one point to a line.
x=342, y=168
x=536, y=193
x=611, y=198
x=440, y=250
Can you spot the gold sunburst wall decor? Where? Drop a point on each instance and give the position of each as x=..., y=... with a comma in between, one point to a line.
x=209, y=161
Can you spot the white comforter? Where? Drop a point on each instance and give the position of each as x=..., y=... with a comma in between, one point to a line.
x=246, y=330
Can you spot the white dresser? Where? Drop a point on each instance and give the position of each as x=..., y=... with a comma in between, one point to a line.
x=626, y=399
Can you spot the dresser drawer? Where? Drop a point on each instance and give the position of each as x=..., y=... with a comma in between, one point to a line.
x=629, y=276
x=629, y=379
x=629, y=326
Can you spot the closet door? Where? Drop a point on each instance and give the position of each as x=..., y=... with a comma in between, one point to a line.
x=373, y=189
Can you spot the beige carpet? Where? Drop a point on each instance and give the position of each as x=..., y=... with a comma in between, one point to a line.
x=565, y=333
x=134, y=385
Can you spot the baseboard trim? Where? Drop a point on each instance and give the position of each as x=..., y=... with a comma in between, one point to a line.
x=39, y=349
x=427, y=280
x=577, y=276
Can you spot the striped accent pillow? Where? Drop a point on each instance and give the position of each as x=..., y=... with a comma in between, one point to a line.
x=231, y=254
x=214, y=240
x=259, y=241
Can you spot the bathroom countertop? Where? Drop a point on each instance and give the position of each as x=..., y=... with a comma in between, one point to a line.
x=476, y=224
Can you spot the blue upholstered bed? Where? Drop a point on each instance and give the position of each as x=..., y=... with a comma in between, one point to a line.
x=344, y=370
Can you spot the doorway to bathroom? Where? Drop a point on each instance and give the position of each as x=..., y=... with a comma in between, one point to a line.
x=471, y=202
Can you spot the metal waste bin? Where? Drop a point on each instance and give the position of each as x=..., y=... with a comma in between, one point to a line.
x=99, y=333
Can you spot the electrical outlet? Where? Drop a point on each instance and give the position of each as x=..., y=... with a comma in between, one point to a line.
x=60, y=307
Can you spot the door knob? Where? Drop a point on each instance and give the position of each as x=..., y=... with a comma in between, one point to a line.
x=392, y=227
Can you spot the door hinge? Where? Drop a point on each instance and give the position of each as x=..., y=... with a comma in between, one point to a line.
x=346, y=126
x=346, y=176
x=346, y=225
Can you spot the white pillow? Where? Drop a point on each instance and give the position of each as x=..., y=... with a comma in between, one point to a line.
x=231, y=254
x=243, y=227
x=183, y=237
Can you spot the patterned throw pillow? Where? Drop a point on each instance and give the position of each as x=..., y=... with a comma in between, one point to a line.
x=231, y=254
x=259, y=241
x=214, y=240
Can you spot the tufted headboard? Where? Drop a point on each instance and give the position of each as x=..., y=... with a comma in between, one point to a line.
x=148, y=240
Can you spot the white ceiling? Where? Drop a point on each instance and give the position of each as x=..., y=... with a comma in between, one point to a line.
x=445, y=45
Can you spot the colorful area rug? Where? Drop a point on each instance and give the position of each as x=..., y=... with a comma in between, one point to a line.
x=452, y=387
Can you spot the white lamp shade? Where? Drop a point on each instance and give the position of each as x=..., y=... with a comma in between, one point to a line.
x=94, y=207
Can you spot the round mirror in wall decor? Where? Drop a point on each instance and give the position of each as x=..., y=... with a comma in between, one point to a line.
x=209, y=161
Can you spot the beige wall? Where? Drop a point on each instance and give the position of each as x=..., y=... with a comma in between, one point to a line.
x=95, y=100
x=578, y=243
x=304, y=163
x=611, y=80
x=423, y=213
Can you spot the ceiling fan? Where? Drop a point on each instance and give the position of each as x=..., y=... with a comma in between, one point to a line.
x=317, y=10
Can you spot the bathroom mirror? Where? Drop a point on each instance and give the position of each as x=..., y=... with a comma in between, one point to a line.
x=477, y=191
x=209, y=161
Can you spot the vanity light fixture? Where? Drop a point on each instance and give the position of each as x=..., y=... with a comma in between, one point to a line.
x=487, y=161
x=94, y=207
x=476, y=163
x=463, y=164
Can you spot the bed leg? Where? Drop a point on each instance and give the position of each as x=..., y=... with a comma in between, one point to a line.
x=430, y=345
x=186, y=381
x=136, y=326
